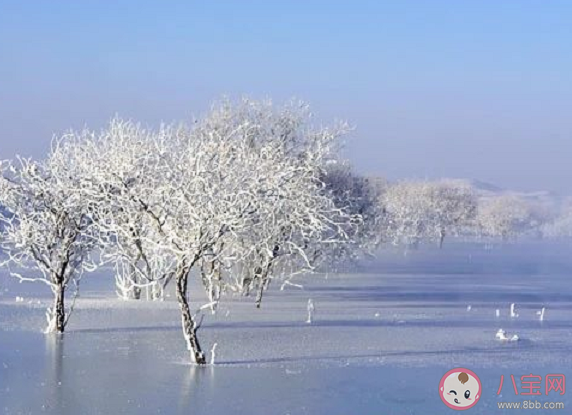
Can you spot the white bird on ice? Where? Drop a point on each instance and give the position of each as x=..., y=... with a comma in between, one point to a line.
x=541, y=313
x=497, y=313
x=311, y=310
x=213, y=353
x=513, y=312
x=469, y=308
x=501, y=335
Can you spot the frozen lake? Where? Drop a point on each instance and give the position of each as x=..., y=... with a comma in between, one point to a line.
x=384, y=334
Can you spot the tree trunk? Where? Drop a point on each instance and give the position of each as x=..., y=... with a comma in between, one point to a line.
x=204, y=274
x=259, y=294
x=210, y=275
x=442, y=238
x=188, y=322
x=215, y=287
x=260, y=287
x=59, y=308
x=135, y=278
x=136, y=293
x=263, y=284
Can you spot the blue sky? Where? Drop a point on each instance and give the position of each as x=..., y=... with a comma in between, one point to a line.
x=477, y=89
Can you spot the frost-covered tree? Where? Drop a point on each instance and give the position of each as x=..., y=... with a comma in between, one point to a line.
x=427, y=210
x=246, y=172
x=505, y=217
x=297, y=222
x=119, y=168
x=561, y=225
x=362, y=197
x=452, y=211
x=47, y=228
x=406, y=213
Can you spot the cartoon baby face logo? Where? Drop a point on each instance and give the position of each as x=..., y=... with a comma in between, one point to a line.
x=460, y=389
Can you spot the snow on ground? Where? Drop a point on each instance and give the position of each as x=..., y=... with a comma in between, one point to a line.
x=383, y=334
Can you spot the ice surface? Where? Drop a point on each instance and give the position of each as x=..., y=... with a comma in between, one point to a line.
x=382, y=336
